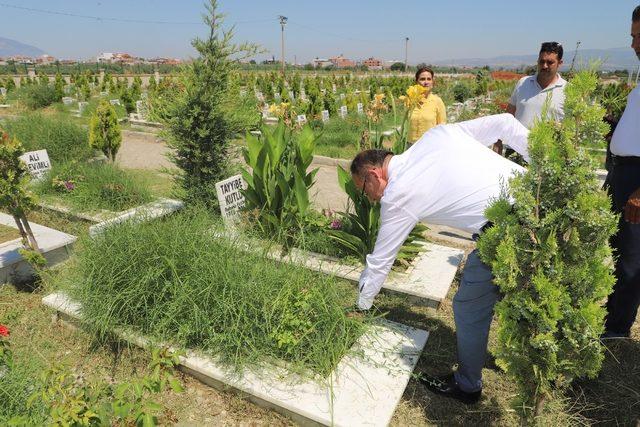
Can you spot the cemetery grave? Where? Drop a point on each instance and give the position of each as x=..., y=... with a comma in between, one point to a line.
x=261, y=301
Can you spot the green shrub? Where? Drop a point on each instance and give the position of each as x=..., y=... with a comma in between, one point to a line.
x=37, y=96
x=174, y=280
x=63, y=139
x=199, y=127
x=104, y=130
x=550, y=252
x=87, y=187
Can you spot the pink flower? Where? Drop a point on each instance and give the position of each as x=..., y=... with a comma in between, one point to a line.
x=336, y=224
x=69, y=185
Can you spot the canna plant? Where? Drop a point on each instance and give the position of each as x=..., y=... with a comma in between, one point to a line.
x=278, y=182
x=361, y=227
x=411, y=100
x=549, y=254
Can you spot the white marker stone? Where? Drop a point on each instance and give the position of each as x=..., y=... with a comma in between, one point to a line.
x=325, y=116
x=37, y=163
x=360, y=108
x=343, y=111
x=302, y=119
x=230, y=197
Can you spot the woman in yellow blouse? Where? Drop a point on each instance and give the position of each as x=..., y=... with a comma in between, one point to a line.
x=430, y=112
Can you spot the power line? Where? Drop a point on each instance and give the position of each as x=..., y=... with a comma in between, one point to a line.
x=111, y=19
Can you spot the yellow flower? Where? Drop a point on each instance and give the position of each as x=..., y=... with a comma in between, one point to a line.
x=414, y=96
x=378, y=97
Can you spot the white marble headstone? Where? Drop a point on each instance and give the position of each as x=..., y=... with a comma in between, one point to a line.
x=325, y=116
x=360, y=108
x=343, y=111
x=37, y=163
x=230, y=197
x=302, y=119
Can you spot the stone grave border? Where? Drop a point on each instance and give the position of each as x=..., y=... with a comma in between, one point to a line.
x=426, y=281
x=366, y=386
x=147, y=212
x=55, y=246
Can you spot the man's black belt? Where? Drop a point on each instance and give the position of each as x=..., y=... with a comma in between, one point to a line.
x=625, y=160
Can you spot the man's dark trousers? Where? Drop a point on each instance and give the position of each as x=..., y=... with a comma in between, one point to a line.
x=623, y=303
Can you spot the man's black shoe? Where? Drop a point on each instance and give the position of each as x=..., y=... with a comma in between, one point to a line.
x=447, y=386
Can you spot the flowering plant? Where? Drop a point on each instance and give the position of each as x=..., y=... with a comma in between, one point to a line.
x=6, y=359
x=374, y=113
x=414, y=97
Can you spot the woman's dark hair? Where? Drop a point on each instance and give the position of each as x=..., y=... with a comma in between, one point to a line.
x=552, y=47
x=422, y=70
x=635, y=16
x=368, y=158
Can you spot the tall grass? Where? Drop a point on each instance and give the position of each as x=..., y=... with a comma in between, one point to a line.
x=63, y=139
x=87, y=186
x=176, y=281
x=16, y=386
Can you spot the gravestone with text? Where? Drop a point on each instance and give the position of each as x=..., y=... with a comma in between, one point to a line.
x=302, y=119
x=230, y=196
x=325, y=116
x=37, y=163
x=343, y=111
x=360, y=108
x=142, y=110
x=67, y=100
x=3, y=91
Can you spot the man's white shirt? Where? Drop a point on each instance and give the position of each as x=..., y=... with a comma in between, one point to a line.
x=529, y=97
x=624, y=141
x=448, y=177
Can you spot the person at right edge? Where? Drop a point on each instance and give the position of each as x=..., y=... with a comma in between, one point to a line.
x=623, y=186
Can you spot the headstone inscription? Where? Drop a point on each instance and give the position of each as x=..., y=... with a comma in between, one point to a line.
x=302, y=119
x=360, y=108
x=325, y=116
x=37, y=163
x=343, y=111
x=230, y=196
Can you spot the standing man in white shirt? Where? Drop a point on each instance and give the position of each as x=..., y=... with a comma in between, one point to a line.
x=448, y=177
x=623, y=185
x=531, y=92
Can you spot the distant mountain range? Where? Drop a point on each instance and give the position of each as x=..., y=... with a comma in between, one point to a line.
x=10, y=47
x=612, y=59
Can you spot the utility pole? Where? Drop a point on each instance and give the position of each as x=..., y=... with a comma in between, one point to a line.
x=283, y=22
x=406, y=50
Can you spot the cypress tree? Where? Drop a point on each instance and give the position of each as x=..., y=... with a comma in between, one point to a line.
x=549, y=254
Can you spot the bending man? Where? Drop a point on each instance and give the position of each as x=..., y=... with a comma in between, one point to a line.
x=448, y=177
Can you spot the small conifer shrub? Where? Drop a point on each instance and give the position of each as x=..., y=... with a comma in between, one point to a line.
x=549, y=253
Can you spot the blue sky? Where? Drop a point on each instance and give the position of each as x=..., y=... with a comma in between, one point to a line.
x=357, y=29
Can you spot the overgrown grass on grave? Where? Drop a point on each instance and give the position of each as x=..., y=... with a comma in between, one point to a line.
x=175, y=281
x=87, y=187
x=63, y=139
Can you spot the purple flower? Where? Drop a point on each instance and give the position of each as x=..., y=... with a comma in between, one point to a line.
x=336, y=224
x=69, y=186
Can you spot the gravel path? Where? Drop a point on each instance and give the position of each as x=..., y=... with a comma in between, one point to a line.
x=142, y=150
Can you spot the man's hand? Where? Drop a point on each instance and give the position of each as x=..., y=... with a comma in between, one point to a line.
x=497, y=146
x=632, y=208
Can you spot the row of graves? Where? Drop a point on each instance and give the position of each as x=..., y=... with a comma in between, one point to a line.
x=368, y=383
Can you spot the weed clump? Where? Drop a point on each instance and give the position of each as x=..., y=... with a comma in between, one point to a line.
x=90, y=187
x=174, y=280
